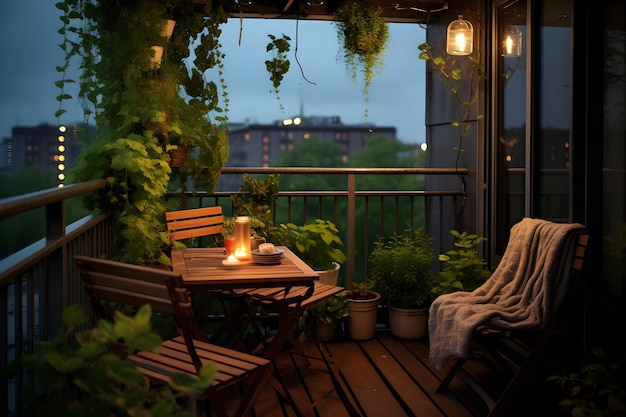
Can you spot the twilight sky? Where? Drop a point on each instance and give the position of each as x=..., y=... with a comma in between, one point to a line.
x=30, y=52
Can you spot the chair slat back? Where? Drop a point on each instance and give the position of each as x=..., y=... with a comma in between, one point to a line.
x=133, y=285
x=192, y=223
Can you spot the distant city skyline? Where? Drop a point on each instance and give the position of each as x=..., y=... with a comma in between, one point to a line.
x=29, y=41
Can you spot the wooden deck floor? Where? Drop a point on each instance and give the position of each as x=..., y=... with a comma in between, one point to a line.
x=384, y=377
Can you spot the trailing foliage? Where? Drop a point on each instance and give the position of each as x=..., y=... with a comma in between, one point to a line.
x=278, y=66
x=144, y=109
x=363, y=34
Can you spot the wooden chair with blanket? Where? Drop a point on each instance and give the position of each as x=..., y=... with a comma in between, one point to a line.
x=513, y=315
x=137, y=285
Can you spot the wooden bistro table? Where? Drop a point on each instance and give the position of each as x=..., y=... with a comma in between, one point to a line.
x=283, y=286
x=287, y=288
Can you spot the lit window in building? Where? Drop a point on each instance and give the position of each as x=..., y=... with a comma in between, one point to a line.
x=266, y=139
x=247, y=136
x=307, y=135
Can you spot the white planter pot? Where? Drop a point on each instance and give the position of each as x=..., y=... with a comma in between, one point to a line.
x=408, y=323
x=330, y=276
x=362, y=318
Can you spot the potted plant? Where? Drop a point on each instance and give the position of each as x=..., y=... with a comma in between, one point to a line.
x=317, y=244
x=463, y=269
x=79, y=372
x=322, y=318
x=139, y=109
x=401, y=265
x=362, y=310
x=257, y=198
x=363, y=34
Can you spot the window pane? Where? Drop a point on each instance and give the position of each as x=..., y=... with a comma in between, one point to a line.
x=552, y=144
x=512, y=117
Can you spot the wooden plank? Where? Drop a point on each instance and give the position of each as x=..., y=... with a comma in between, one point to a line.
x=411, y=357
x=310, y=384
x=369, y=390
x=404, y=378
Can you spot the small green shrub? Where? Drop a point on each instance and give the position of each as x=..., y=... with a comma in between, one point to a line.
x=463, y=269
x=401, y=265
x=598, y=389
x=326, y=312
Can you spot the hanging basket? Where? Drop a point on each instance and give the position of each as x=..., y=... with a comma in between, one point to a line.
x=178, y=156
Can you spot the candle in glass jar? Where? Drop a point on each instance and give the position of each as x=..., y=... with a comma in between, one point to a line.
x=229, y=245
x=242, y=237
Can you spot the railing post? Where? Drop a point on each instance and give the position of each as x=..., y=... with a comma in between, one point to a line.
x=351, y=236
x=55, y=298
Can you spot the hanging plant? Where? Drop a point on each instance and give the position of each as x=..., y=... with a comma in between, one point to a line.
x=363, y=33
x=278, y=66
x=149, y=92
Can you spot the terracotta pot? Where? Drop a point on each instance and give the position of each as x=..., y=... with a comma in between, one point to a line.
x=408, y=323
x=362, y=317
x=178, y=156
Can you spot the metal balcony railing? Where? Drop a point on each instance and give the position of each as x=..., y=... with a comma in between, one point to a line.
x=39, y=280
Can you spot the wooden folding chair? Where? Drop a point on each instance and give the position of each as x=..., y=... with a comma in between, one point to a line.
x=516, y=352
x=197, y=223
x=137, y=285
x=194, y=223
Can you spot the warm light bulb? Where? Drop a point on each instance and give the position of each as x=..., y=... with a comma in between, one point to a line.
x=460, y=37
x=508, y=42
x=460, y=42
x=511, y=42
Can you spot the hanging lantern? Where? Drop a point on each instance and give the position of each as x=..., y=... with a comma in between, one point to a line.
x=460, y=37
x=511, y=42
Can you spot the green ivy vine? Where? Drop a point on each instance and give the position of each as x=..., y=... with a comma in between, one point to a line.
x=278, y=66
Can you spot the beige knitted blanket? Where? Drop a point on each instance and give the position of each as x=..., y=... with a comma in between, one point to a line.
x=526, y=286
